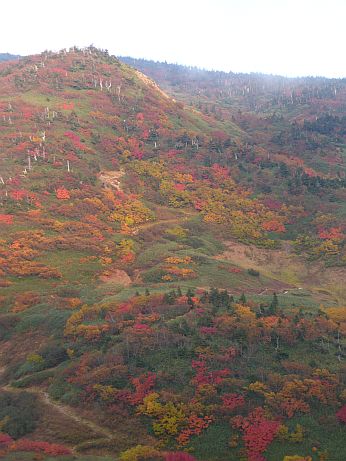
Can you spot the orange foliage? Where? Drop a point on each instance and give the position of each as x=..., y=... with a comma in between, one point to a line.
x=62, y=193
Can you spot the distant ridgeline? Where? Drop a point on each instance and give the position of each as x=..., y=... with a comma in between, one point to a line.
x=8, y=56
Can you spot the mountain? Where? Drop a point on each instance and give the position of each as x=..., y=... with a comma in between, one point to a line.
x=8, y=57
x=302, y=116
x=174, y=279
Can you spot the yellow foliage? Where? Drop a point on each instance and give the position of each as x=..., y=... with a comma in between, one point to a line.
x=126, y=245
x=150, y=406
x=70, y=353
x=183, y=178
x=177, y=260
x=338, y=314
x=152, y=169
x=105, y=261
x=258, y=387
x=177, y=232
x=298, y=435
x=343, y=395
x=234, y=441
x=297, y=458
x=139, y=453
x=73, y=303
x=106, y=393
x=131, y=213
x=244, y=312
x=328, y=247
x=169, y=416
x=35, y=358
x=282, y=433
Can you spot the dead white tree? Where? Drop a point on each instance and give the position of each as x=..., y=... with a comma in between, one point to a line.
x=108, y=85
x=119, y=92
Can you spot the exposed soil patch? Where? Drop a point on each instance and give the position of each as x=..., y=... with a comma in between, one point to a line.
x=116, y=276
x=289, y=270
x=152, y=84
x=111, y=179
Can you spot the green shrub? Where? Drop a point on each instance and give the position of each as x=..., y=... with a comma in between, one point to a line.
x=154, y=275
x=19, y=413
x=34, y=379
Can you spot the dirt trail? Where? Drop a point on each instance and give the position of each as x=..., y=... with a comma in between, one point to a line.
x=63, y=409
x=179, y=220
x=157, y=223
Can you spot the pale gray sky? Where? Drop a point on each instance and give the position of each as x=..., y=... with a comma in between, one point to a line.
x=287, y=37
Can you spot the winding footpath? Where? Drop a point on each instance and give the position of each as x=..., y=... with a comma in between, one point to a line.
x=65, y=410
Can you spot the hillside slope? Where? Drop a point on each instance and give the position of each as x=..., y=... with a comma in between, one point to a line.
x=171, y=281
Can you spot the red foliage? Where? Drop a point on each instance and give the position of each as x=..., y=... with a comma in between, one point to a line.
x=59, y=71
x=208, y=330
x=274, y=226
x=219, y=136
x=18, y=194
x=5, y=440
x=341, y=414
x=220, y=172
x=258, y=432
x=142, y=327
x=128, y=258
x=179, y=187
x=13, y=181
x=310, y=172
x=75, y=139
x=235, y=270
x=73, y=136
x=6, y=219
x=172, y=153
x=135, y=148
x=145, y=134
x=179, y=456
x=332, y=233
x=203, y=376
x=199, y=204
x=272, y=204
x=52, y=449
x=143, y=385
x=232, y=401
x=196, y=424
x=67, y=106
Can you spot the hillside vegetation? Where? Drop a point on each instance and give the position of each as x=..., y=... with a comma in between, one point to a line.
x=172, y=263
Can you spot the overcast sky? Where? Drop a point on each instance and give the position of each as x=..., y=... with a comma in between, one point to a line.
x=287, y=37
